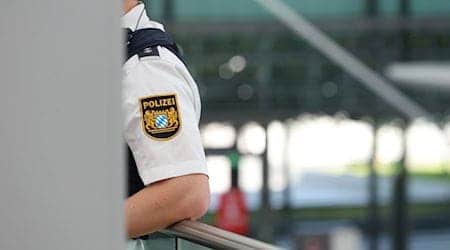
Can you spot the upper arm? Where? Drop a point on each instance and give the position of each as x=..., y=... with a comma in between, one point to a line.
x=161, y=121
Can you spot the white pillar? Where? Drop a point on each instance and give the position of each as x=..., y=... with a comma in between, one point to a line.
x=61, y=171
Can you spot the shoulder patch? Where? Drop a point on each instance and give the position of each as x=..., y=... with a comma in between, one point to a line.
x=160, y=117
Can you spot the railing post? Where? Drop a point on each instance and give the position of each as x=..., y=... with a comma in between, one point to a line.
x=266, y=224
x=400, y=223
x=372, y=8
x=373, y=217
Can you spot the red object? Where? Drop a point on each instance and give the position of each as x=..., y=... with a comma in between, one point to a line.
x=232, y=214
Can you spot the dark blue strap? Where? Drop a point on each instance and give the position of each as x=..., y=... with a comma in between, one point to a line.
x=142, y=39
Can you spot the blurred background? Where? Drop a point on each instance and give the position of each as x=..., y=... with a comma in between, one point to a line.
x=323, y=160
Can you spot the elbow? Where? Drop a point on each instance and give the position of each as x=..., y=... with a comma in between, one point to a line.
x=197, y=201
x=199, y=207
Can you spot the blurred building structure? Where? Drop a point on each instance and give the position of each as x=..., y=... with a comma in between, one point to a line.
x=255, y=75
x=276, y=70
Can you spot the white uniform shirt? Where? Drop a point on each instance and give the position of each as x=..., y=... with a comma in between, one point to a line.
x=161, y=105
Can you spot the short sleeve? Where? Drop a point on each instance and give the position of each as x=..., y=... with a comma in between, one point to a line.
x=161, y=112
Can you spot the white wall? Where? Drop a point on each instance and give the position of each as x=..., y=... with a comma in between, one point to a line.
x=60, y=145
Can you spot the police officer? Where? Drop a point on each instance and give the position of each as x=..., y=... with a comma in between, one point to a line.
x=161, y=104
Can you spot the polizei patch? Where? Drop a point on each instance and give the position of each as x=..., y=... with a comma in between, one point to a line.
x=160, y=117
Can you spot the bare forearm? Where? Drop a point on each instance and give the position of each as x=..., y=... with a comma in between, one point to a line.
x=146, y=215
x=165, y=203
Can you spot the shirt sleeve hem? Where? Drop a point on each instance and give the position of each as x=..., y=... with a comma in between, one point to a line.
x=164, y=172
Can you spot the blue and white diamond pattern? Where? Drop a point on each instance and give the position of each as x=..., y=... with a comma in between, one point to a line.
x=161, y=121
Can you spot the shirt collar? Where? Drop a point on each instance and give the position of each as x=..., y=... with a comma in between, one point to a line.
x=137, y=19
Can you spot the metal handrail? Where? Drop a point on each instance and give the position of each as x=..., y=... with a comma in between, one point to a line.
x=213, y=237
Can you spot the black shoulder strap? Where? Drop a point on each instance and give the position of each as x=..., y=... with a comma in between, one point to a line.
x=142, y=39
